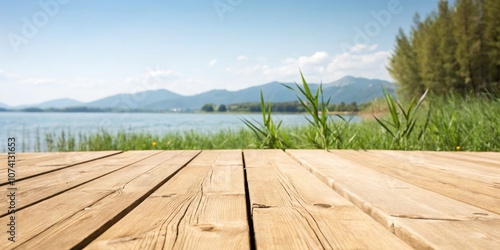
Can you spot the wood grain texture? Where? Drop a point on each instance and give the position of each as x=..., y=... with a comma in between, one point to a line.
x=201, y=207
x=414, y=214
x=41, y=159
x=31, y=156
x=466, y=164
x=40, y=187
x=28, y=159
x=292, y=209
x=487, y=156
x=79, y=215
x=148, y=200
x=28, y=167
x=470, y=182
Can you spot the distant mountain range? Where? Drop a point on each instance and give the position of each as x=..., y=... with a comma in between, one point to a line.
x=348, y=89
x=60, y=103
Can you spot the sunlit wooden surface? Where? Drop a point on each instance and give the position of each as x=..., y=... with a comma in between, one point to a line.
x=263, y=199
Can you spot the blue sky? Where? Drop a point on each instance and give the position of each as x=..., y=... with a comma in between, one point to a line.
x=87, y=50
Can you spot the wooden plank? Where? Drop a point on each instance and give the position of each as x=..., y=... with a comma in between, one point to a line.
x=29, y=168
x=458, y=164
x=28, y=159
x=35, y=166
x=292, y=209
x=493, y=156
x=40, y=156
x=481, y=158
x=467, y=162
x=38, y=188
x=81, y=214
x=201, y=207
x=463, y=181
x=437, y=233
x=25, y=156
x=416, y=215
x=32, y=158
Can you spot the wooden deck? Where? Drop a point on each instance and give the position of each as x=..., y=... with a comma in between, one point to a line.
x=254, y=199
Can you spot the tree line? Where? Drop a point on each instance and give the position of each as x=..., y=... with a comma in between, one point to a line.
x=455, y=49
x=284, y=107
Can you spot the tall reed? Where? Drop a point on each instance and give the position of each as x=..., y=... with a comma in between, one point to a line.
x=268, y=133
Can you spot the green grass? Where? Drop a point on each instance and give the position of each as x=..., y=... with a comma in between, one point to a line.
x=453, y=123
x=403, y=120
x=268, y=134
x=321, y=133
x=470, y=123
x=104, y=140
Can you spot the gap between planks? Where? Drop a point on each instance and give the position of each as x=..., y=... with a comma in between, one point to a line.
x=201, y=207
x=421, y=218
x=469, y=182
x=26, y=169
x=46, y=186
x=76, y=217
x=292, y=209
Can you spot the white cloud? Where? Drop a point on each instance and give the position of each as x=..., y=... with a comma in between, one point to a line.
x=132, y=80
x=242, y=58
x=212, y=62
x=37, y=81
x=314, y=64
x=320, y=66
x=161, y=73
x=363, y=47
x=362, y=61
x=369, y=65
x=151, y=79
x=317, y=58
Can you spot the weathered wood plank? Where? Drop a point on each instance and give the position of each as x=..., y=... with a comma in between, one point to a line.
x=27, y=168
x=483, y=159
x=32, y=158
x=464, y=165
x=463, y=181
x=81, y=214
x=468, y=164
x=25, y=156
x=416, y=215
x=292, y=209
x=29, y=159
x=40, y=187
x=201, y=207
x=437, y=233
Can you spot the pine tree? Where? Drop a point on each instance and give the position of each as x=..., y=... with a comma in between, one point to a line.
x=403, y=66
x=492, y=40
x=455, y=49
x=430, y=64
x=466, y=23
x=448, y=78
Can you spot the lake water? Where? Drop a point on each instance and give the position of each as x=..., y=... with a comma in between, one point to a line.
x=26, y=126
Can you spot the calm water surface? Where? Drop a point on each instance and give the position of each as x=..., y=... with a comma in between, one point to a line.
x=27, y=126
